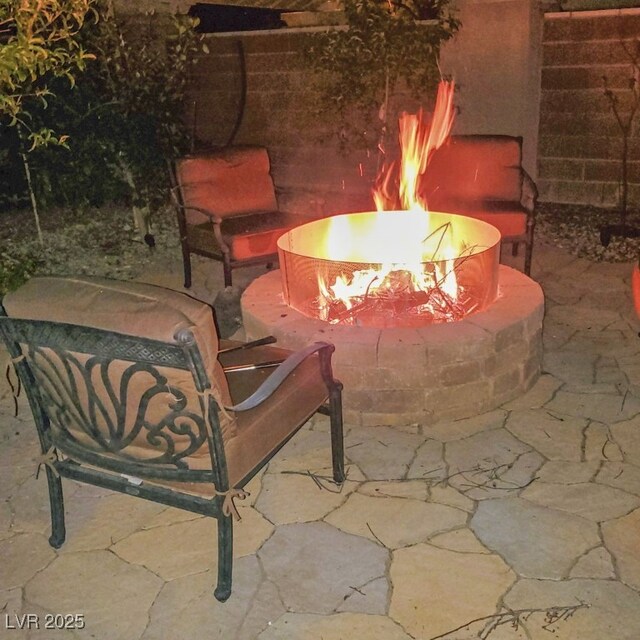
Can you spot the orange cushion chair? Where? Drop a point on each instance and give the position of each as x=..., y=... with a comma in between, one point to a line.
x=481, y=176
x=227, y=208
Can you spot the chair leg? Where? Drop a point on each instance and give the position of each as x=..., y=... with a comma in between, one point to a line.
x=56, y=502
x=227, y=272
x=337, y=443
x=225, y=558
x=528, y=254
x=186, y=263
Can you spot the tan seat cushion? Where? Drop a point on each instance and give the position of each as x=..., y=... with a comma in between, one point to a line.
x=262, y=430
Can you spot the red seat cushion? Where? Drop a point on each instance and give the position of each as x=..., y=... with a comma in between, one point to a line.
x=257, y=235
x=635, y=288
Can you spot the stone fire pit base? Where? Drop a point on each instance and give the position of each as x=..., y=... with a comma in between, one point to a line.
x=405, y=376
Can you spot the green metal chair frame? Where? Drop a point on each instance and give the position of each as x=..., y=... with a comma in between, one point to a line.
x=106, y=463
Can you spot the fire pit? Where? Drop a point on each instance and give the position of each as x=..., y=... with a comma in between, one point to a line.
x=391, y=269
x=426, y=324
x=406, y=375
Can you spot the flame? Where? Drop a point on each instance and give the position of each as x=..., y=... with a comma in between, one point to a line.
x=419, y=138
x=402, y=270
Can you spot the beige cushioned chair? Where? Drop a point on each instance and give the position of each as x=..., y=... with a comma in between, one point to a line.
x=129, y=392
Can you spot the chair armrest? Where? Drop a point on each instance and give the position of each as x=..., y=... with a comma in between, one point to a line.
x=183, y=207
x=273, y=382
x=529, y=192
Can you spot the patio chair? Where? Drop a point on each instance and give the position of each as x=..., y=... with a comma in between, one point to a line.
x=227, y=209
x=128, y=393
x=481, y=176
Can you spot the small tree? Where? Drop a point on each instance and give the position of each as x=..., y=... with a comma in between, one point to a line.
x=125, y=115
x=386, y=45
x=624, y=118
x=138, y=84
x=39, y=42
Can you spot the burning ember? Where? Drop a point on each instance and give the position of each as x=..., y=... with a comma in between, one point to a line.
x=402, y=265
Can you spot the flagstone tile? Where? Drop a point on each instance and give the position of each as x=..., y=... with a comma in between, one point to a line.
x=603, y=407
x=622, y=539
x=113, y=596
x=295, y=626
x=620, y=475
x=296, y=497
x=596, y=563
x=541, y=392
x=97, y=523
x=429, y=462
x=186, y=605
x=612, y=609
x=490, y=464
x=556, y=438
x=22, y=556
x=443, y=494
x=568, y=472
x=627, y=436
x=461, y=540
x=12, y=607
x=190, y=547
x=595, y=502
x=316, y=567
x=437, y=590
x=416, y=489
x=369, y=598
x=599, y=443
x=382, y=453
x=459, y=429
x=572, y=367
x=509, y=526
x=6, y=520
x=582, y=317
x=395, y=522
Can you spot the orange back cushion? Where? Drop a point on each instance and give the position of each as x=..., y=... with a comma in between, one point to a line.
x=227, y=183
x=474, y=169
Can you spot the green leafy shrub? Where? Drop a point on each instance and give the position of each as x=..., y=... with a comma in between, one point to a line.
x=122, y=118
x=386, y=49
x=16, y=269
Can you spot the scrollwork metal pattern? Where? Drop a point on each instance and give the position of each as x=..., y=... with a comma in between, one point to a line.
x=117, y=407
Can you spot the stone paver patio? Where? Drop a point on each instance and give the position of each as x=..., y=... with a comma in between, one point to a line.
x=529, y=513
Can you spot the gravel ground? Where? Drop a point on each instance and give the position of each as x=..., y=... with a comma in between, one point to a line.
x=576, y=228
x=99, y=242
x=103, y=242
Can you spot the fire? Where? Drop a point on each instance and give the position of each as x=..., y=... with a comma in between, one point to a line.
x=417, y=266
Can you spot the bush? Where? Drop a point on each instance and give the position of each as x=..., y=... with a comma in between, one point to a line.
x=16, y=269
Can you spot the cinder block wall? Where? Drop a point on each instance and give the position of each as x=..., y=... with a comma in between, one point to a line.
x=278, y=115
x=494, y=97
x=580, y=142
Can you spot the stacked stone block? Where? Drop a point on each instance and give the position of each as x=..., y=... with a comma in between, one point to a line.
x=403, y=376
x=580, y=143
